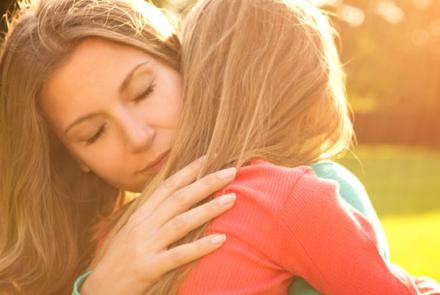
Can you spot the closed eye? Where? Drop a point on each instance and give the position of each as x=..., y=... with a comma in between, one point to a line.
x=92, y=139
x=145, y=94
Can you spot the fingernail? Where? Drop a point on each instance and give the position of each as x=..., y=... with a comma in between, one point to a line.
x=217, y=239
x=226, y=173
x=227, y=199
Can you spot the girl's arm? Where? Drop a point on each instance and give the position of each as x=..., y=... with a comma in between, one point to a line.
x=353, y=192
x=334, y=247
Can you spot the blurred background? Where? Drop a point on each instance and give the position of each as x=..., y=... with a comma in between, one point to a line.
x=391, y=53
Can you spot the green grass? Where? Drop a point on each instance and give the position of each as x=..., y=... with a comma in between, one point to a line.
x=415, y=243
x=404, y=186
x=399, y=180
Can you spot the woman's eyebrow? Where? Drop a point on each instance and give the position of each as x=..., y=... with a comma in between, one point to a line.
x=127, y=79
x=122, y=88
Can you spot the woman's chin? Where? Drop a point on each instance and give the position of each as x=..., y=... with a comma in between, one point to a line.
x=139, y=186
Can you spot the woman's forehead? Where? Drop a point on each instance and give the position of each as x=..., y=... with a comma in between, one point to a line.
x=91, y=75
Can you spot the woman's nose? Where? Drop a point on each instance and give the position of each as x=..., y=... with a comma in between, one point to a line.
x=139, y=135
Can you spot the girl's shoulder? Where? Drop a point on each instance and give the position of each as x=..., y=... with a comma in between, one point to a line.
x=275, y=185
x=264, y=169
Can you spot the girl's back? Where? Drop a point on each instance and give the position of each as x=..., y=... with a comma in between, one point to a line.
x=286, y=223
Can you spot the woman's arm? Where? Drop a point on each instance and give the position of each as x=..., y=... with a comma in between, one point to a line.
x=353, y=192
x=138, y=254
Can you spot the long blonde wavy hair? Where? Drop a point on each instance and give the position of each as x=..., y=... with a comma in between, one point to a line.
x=47, y=205
x=262, y=79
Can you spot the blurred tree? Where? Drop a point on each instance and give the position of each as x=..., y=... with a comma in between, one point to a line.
x=395, y=54
x=393, y=65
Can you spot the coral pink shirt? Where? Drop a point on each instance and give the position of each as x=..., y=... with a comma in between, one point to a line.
x=286, y=222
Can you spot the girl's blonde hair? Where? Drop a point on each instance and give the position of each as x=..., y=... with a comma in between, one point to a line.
x=262, y=79
x=47, y=205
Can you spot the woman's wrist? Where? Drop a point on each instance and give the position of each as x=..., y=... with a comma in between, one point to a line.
x=99, y=282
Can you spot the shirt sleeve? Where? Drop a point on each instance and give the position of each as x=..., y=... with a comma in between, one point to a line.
x=78, y=282
x=353, y=192
x=333, y=247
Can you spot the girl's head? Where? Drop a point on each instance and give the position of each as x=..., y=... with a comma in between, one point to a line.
x=60, y=60
x=265, y=78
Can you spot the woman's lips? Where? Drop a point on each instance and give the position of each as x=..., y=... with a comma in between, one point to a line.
x=154, y=165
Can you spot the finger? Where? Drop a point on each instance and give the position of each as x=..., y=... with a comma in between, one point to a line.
x=183, y=199
x=180, y=179
x=184, y=223
x=186, y=253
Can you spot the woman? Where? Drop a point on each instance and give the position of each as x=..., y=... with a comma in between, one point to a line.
x=50, y=196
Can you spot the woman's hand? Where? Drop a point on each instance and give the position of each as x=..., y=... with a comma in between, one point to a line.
x=138, y=254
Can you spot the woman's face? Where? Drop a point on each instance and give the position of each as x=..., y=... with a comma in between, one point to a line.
x=115, y=108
